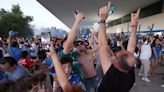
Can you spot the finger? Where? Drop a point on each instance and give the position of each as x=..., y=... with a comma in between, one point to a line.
x=109, y=4
x=75, y=12
x=138, y=12
x=131, y=15
x=106, y=9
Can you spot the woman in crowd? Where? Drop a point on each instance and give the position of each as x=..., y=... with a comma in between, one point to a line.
x=156, y=49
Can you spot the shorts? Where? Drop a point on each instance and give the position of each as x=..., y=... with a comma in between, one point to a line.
x=91, y=83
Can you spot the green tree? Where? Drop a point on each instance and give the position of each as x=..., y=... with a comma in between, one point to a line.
x=15, y=20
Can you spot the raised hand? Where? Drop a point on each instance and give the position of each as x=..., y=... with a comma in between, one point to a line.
x=10, y=33
x=134, y=18
x=103, y=12
x=79, y=15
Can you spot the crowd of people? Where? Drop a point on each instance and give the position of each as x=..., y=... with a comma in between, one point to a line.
x=101, y=63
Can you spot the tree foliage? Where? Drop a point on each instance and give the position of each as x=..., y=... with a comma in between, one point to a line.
x=15, y=20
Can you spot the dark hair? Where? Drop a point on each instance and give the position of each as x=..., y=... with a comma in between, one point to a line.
x=153, y=44
x=26, y=83
x=9, y=60
x=109, y=41
x=24, y=54
x=7, y=86
x=62, y=42
x=125, y=44
x=144, y=39
x=123, y=58
x=40, y=76
x=77, y=42
x=66, y=59
x=14, y=44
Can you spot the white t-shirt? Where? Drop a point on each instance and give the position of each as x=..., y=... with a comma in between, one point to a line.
x=146, y=51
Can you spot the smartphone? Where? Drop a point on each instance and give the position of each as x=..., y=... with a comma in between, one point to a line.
x=46, y=40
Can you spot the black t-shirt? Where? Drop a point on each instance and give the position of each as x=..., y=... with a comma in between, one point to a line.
x=1, y=54
x=117, y=81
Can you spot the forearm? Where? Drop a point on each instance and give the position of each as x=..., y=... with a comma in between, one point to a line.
x=102, y=43
x=71, y=36
x=132, y=40
x=9, y=40
x=102, y=37
x=62, y=78
x=94, y=50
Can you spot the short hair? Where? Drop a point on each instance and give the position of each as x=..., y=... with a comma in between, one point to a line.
x=9, y=60
x=26, y=83
x=7, y=86
x=123, y=58
x=24, y=54
x=77, y=42
x=125, y=44
x=66, y=59
x=14, y=44
x=40, y=76
x=62, y=42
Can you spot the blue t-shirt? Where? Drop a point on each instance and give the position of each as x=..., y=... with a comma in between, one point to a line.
x=49, y=62
x=29, y=51
x=1, y=54
x=76, y=66
x=15, y=52
x=74, y=79
x=18, y=73
x=59, y=48
x=1, y=75
x=158, y=49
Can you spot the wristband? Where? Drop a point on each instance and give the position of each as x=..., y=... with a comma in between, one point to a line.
x=102, y=21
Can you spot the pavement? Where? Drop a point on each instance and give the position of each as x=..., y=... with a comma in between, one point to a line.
x=153, y=86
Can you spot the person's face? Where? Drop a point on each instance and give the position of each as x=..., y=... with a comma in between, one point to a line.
x=67, y=69
x=6, y=67
x=48, y=55
x=80, y=47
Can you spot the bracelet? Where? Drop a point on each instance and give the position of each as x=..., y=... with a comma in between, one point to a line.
x=102, y=21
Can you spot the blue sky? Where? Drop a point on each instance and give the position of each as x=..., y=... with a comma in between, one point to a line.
x=42, y=17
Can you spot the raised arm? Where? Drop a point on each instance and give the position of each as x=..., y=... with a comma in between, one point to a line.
x=9, y=40
x=72, y=35
x=102, y=39
x=61, y=76
x=134, y=24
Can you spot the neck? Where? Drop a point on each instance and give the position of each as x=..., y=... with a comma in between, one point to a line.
x=117, y=65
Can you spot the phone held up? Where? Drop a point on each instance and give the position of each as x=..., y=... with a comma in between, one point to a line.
x=46, y=40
